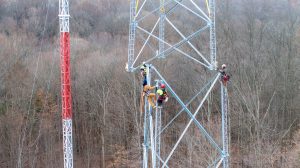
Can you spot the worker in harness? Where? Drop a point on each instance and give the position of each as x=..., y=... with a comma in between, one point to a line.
x=224, y=76
x=147, y=92
x=143, y=70
x=162, y=95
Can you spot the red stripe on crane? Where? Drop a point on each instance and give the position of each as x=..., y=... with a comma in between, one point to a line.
x=65, y=75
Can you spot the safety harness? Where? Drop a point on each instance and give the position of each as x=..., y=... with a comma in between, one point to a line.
x=163, y=96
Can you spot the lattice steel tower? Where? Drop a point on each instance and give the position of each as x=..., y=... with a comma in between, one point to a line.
x=64, y=18
x=158, y=30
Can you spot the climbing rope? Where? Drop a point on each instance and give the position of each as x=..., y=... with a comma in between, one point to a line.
x=136, y=5
x=162, y=9
x=207, y=6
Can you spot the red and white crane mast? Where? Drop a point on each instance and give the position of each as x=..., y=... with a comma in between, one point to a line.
x=64, y=18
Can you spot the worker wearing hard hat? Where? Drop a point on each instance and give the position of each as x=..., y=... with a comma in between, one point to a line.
x=224, y=76
x=162, y=95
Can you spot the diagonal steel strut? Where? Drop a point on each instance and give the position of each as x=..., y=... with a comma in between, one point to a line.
x=188, y=103
x=190, y=44
x=173, y=47
x=202, y=129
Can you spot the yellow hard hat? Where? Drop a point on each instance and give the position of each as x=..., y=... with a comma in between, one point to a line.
x=160, y=92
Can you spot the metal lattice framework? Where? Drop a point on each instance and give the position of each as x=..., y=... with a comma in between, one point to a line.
x=150, y=23
x=64, y=17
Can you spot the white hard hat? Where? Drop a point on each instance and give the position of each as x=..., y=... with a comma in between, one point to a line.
x=224, y=66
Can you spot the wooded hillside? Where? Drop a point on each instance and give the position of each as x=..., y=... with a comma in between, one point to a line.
x=258, y=40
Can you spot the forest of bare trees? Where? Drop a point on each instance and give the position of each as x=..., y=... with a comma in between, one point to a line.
x=259, y=40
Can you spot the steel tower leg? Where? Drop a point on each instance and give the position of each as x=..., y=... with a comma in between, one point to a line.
x=146, y=124
x=132, y=30
x=157, y=134
x=150, y=120
x=162, y=29
x=213, y=48
x=66, y=82
x=153, y=154
x=146, y=143
x=225, y=152
x=157, y=130
x=149, y=142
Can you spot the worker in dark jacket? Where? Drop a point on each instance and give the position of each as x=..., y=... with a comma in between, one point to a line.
x=162, y=95
x=224, y=76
